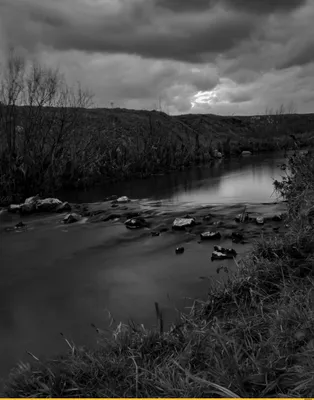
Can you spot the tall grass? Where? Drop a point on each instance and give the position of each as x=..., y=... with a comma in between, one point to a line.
x=252, y=337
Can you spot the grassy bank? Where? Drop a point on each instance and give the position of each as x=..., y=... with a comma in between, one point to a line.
x=253, y=337
x=51, y=138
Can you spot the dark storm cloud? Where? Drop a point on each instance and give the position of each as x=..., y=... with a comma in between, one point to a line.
x=250, y=6
x=194, y=46
x=94, y=28
x=263, y=6
x=302, y=56
x=184, y=5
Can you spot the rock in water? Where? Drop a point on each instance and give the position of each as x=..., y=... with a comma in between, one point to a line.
x=260, y=221
x=182, y=223
x=242, y=217
x=111, y=198
x=210, y=235
x=154, y=233
x=207, y=217
x=14, y=208
x=49, y=204
x=179, y=250
x=63, y=207
x=135, y=223
x=123, y=199
x=32, y=200
x=71, y=218
x=218, y=256
x=277, y=218
x=20, y=225
x=229, y=252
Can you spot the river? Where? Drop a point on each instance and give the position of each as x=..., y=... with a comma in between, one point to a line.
x=61, y=280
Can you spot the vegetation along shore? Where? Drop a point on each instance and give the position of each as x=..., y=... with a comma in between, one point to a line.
x=51, y=138
x=252, y=337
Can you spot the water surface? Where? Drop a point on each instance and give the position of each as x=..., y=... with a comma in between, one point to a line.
x=61, y=279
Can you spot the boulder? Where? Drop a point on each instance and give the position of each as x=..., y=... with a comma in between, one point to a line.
x=182, y=223
x=48, y=205
x=210, y=235
x=71, y=218
x=136, y=223
x=32, y=200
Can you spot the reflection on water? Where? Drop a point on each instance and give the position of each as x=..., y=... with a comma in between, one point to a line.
x=246, y=179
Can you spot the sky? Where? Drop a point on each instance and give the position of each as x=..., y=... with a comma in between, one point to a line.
x=227, y=57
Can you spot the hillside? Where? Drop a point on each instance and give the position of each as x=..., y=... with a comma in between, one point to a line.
x=45, y=149
x=208, y=126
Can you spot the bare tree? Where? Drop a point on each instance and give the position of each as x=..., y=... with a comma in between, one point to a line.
x=39, y=114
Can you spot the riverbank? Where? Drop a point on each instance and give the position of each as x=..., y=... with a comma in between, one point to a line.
x=99, y=146
x=251, y=338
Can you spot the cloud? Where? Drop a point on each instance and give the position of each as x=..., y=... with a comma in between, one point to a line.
x=129, y=80
x=221, y=56
x=98, y=27
x=250, y=6
x=264, y=6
